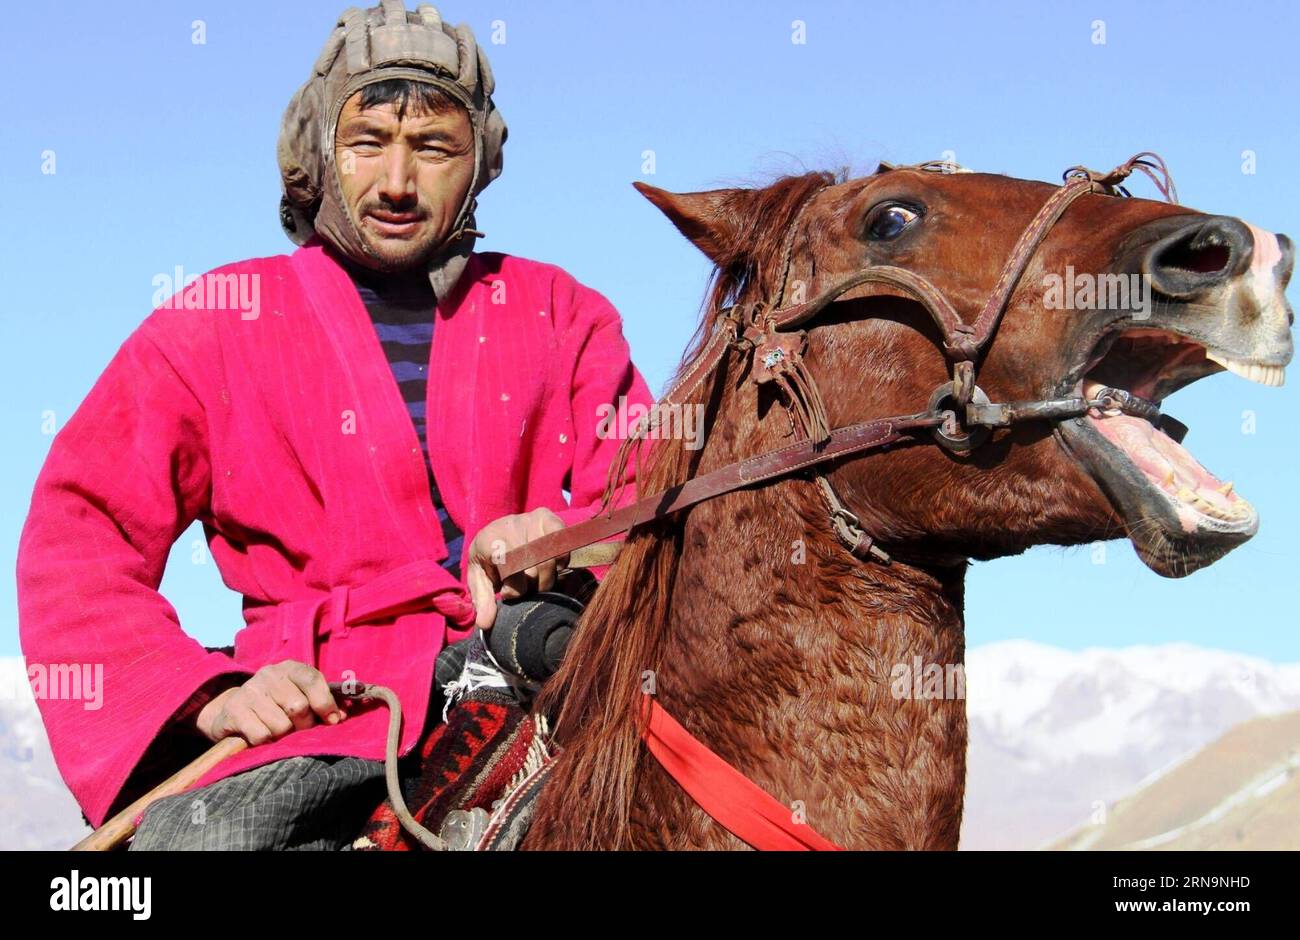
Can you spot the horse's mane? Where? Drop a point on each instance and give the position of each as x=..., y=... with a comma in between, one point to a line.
x=596, y=695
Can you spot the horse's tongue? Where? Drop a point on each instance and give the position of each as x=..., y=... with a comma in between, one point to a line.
x=1166, y=463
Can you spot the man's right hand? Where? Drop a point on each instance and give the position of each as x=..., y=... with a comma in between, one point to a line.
x=277, y=699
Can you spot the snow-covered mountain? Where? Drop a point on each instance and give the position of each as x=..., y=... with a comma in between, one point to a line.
x=1054, y=736
x=1242, y=792
x=36, y=809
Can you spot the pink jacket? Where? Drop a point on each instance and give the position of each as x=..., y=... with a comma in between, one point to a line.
x=281, y=427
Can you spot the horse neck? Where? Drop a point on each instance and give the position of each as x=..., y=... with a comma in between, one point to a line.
x=777, y=650
x=833, y=684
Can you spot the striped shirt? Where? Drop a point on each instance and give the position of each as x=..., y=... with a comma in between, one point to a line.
x=401, y=307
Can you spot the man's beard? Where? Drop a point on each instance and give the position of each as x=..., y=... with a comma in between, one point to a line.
x=395, y=255
x=390, y=262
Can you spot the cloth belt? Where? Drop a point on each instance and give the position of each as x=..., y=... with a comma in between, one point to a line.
x=416, y=586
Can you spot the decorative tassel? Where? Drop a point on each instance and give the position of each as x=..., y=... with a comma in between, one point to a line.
x=811, y=407
x=780, y=360
x=616, y=480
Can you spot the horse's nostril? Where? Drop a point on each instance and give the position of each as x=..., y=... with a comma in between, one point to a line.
x=1199, y=259
x=1199, y=256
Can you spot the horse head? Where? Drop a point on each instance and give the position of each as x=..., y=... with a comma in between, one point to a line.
x=1131, y=294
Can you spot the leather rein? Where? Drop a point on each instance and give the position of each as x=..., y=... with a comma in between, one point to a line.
x=959, y=415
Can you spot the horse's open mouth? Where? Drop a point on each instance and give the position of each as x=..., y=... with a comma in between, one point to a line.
x=1179, y=515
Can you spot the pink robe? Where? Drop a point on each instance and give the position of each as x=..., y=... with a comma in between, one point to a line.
x=286, y=433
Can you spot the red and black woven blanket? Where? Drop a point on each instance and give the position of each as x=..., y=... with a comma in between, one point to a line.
x=463, y=763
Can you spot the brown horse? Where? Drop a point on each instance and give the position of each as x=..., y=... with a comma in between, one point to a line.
x=758, y=631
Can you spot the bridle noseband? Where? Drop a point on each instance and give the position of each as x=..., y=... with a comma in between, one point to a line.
x=958, y=416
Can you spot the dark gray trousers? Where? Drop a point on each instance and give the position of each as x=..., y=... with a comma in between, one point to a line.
x=299, y=803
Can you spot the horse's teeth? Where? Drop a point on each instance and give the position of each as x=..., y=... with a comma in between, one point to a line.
x=1226, y=488
x=1272, y=376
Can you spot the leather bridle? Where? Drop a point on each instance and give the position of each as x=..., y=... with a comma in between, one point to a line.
x=959, y=416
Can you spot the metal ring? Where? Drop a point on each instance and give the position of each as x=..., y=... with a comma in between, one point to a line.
x=967, y=439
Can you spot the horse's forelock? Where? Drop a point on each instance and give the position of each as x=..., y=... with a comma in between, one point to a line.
x=747, y=268
x=762, y=221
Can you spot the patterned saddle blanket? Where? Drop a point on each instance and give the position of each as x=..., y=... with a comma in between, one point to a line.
x=474, y=774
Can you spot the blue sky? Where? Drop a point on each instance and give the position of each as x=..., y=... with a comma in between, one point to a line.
x=165, y=155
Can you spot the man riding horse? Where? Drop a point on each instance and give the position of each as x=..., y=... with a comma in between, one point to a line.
x=391, y=396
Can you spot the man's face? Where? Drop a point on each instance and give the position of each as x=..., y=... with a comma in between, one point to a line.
x=403, y=179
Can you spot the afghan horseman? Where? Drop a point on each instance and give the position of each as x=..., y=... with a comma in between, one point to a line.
x=362, y=426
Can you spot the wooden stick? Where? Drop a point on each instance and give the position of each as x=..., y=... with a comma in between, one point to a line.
x=122, y=826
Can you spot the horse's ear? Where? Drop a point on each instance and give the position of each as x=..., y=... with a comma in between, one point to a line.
x=707, y=218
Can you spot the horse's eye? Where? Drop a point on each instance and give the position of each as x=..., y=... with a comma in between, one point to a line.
x=889, y=221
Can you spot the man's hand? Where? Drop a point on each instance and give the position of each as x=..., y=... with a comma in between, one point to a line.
x=488, y=550
x=277, y=699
